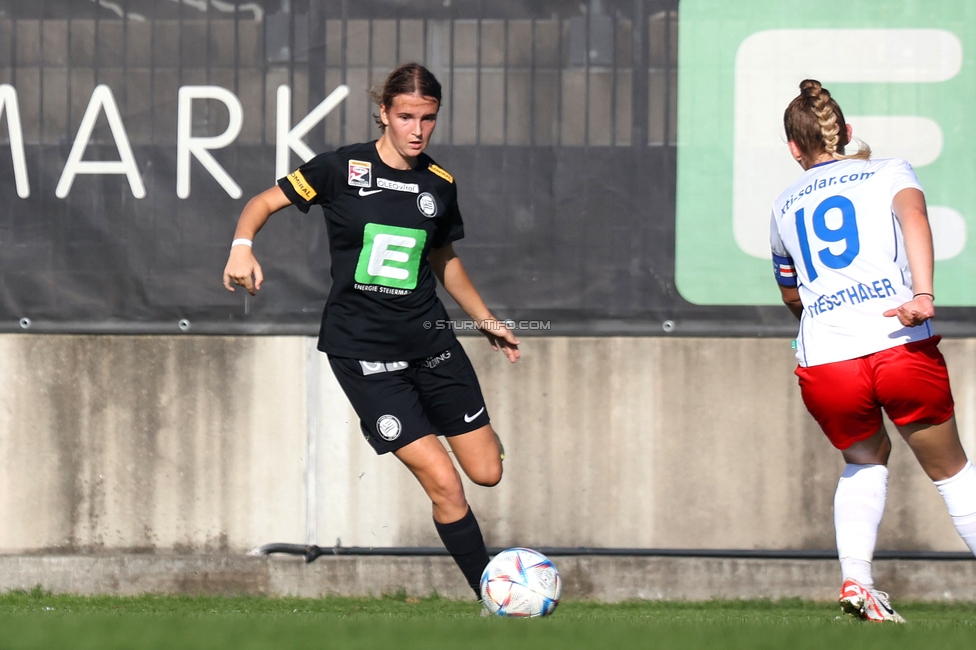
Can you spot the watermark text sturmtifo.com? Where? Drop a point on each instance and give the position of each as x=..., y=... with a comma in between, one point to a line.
x=537, y=325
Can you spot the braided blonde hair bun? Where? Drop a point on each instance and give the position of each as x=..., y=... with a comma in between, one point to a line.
x=814, y=121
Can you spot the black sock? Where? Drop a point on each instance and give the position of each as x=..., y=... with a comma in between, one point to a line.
x=464, y=542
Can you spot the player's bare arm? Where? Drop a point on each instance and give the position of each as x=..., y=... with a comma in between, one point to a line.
x=791, y=298
x=909, y=207
x=242, y=267
x=450, y=271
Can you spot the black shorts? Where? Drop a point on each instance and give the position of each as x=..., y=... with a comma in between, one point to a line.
x=402, y=401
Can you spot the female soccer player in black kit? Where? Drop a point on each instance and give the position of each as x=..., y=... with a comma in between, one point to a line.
x=391, y=214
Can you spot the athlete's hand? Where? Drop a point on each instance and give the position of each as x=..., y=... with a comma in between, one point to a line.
x=243, y=270
x=500, y=337
x=914, y=312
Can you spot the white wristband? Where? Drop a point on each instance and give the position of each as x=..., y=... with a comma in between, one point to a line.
x=242, y=242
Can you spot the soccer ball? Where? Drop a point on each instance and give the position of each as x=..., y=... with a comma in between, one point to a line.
x=520, y=582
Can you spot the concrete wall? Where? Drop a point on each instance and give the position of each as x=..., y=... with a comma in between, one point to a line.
x=195, y=444
x=598, y=578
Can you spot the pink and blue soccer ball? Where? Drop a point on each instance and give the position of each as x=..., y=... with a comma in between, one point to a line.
x=520, y=582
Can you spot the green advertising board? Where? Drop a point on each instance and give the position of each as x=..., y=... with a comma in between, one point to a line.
x=905, y=75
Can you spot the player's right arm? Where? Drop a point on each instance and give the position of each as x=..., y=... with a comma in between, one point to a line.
x=242, y=267
x=785, y=270
x=791, y=298
x=909, y=207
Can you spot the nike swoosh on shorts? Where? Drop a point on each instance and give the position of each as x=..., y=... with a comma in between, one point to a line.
x=473, y=417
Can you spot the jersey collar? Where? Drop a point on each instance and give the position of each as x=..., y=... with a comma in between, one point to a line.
x=826, y=162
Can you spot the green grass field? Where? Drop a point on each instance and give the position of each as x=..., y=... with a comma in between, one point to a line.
x=39, y=620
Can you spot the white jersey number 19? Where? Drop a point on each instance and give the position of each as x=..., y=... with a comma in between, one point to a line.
x=847, y=233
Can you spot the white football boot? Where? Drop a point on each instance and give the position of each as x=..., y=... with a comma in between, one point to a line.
x=868, y=604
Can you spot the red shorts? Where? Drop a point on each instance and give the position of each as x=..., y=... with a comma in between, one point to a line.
x=909, y=381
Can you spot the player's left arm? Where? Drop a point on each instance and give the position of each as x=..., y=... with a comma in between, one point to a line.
x=909, y=207
x=450, y=271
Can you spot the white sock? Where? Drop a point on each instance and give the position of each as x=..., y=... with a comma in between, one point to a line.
x=858, y=506
x=959, y=493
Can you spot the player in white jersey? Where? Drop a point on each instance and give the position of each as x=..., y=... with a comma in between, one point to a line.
x=852, y=253
x=835, y=223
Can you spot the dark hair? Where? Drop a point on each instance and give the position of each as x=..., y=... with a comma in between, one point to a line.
x=814, y=121
x=407, y=79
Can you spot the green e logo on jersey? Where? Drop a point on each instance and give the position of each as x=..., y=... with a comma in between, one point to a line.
x=905, y=75
x=390, y=256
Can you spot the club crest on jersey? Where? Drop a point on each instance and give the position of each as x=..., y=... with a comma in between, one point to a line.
x=388, y=426
x=427, y=205
x=360, y=173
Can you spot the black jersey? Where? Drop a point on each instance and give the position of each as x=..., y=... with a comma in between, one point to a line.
x=382, y=223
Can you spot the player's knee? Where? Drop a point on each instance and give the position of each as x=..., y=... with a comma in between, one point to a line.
x=490, y=481
x=445, y=485
x=872, y=451
x=488, y=475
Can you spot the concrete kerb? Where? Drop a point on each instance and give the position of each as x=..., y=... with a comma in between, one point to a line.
x=607, y=579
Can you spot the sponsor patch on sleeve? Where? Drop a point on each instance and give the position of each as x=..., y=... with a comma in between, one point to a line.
x=360, y=173
x=785, y=270
x=441, y=172
x=301, y=185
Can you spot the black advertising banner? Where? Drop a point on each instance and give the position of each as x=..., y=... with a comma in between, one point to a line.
x=133, y=132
